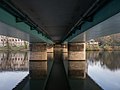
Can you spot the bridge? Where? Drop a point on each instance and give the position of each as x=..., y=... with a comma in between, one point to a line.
x=56, y=24
x=58, y=21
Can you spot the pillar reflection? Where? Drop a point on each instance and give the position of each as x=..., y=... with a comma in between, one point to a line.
x=77, y=69
x=38, y=61
x=77, y=65
x=38, y=69
x=40, y=64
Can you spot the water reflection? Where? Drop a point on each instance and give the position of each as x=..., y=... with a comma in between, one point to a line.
x=14, y=67
x=38, y=69
x=77, y=69
x=99, y=71
x=40, y=66
x=65, y=56
x=50, y=56
x=78, y=78
x=109, y=60
x=38, y=73
x=104, y=69
x=65, y=61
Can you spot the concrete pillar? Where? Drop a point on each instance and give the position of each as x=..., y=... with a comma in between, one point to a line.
x=50, y=56
x=64, y=48
x=77, y=51
x=57, y=47
x=50, y=48
x=38, y=61
x=77, y=64
x=38, y=51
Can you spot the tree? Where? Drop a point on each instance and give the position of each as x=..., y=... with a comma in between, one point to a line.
x=25, y=45
x=7, y=43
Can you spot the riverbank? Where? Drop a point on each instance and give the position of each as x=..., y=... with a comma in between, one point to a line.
x=13, y=49
x=102, y=48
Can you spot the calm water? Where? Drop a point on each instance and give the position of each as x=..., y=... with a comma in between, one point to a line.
x=101, y=70
x=14, y=67
x=104, y=69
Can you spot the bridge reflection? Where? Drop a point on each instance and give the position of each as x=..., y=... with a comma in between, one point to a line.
x=76, y=71
x=39, y=70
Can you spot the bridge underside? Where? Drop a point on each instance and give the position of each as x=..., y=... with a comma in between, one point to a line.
x=55, y=17
x=107, y=27
x=10, y=31
x=59, y=21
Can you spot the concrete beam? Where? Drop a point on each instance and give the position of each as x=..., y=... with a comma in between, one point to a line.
x=109, y=10
x=10, y=20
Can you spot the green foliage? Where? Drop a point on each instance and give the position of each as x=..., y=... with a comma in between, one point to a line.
x=111, y=42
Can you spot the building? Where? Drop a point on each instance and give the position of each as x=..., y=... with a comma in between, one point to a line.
x=4, y=41
x=92, y=42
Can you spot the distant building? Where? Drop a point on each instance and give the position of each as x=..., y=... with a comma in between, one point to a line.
x=92, y=42
x=4, y=40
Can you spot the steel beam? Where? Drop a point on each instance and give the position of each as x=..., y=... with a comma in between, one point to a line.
x=9, y=19
x=109, y=10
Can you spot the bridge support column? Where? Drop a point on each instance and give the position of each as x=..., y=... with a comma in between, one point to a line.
x=77, y=60
x=76, y=51
x=38, y=60
x=64, y=48
x=50, y=48
x=38, y=51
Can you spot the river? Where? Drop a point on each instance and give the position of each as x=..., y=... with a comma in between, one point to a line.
x=101, y=70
